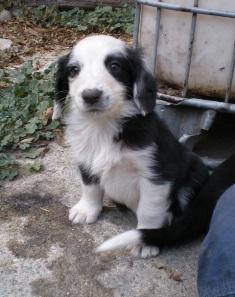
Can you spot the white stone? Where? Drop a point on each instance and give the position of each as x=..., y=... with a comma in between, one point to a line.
x=5, y=44
x=5, y=16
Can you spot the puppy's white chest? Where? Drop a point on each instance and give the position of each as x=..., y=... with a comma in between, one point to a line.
x=120, y=169
x=122, y=180
x=121, y=183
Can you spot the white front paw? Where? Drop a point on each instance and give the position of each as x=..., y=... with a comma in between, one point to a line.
x=144, y=251
x=84, y=212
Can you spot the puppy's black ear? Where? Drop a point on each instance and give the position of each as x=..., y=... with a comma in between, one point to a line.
x=145, y=87
x=145, y=91
x=61, y=86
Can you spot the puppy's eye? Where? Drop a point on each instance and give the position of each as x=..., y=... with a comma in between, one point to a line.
x=73, y=71
x=115, y=67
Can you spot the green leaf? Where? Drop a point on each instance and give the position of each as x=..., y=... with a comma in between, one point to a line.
x=20, y=91
x=6, y=160
x=8, y=167
x=24, y=146
x=35, y=167
x=31, y=128
x=32, y=154
x=19, y=123
x=82, y=28
x=19, y=77
x=8, y=174
x=53, y=125
x=43, y=106
x=85, y=20
x=6, y=140
x=48, y=135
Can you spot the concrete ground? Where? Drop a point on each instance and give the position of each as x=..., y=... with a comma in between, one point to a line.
x=42, y=254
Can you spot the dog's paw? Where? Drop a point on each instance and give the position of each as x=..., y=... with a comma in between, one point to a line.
x=144, y=251
x=83, y=212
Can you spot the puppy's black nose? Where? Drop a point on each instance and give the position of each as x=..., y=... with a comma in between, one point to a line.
x=91, y=96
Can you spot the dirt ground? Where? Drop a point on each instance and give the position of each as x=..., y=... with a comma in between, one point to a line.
x=30, y=40
x=42, y=254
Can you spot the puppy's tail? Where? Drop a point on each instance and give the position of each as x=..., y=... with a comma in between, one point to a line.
x=194, y=221
x=122, y=240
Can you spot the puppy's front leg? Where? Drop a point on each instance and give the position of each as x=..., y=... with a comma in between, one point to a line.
x=152, y=212
x=90, y=205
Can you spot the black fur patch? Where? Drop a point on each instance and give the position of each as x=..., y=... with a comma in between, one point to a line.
x=62, y=83
x=133, y=73
x=87, y=177
x=125, y=75
x=137, y=131
x=196, y=219
x=172, y=162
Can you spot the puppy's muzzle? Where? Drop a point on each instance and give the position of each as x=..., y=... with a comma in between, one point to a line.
x=91, y=96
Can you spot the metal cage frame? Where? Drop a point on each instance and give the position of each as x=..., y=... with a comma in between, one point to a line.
x=216, y=105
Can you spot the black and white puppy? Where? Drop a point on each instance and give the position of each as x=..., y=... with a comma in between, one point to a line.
x=121, y=146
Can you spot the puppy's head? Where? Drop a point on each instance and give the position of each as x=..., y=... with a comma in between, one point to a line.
x=102, y=75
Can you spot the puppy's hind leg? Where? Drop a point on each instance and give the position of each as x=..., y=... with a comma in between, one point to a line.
x=152, y=213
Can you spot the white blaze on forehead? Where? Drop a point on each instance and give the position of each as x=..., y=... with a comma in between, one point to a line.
x=96, y=47
x=90, y=54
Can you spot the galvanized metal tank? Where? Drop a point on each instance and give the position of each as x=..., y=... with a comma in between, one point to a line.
x=212, y=50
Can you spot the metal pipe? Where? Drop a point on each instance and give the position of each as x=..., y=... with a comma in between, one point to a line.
x=190, y=50
x=199, y=103
x=197, y=10
x=230, y=77
x=157, y=35
x=136, y=25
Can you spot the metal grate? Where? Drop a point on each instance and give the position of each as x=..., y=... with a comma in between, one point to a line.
x=225, y=106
